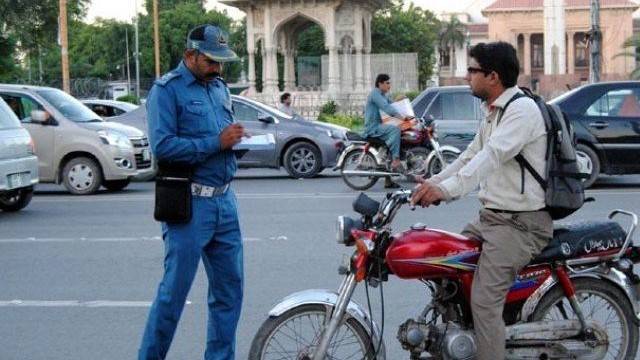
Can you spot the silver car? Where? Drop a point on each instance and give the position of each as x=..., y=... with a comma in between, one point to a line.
x=303, y=147
x=74, y=145
x=18, y=162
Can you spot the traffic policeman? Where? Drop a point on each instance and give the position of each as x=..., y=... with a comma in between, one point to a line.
x=191, y=121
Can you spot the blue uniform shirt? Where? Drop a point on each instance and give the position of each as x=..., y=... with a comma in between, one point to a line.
x=186, y=118
x=375, y=102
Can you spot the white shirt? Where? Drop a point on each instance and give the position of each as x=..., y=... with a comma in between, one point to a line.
x=489, y=160
x=286, y=109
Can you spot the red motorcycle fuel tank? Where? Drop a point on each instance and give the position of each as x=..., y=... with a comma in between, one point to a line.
x=422, y=253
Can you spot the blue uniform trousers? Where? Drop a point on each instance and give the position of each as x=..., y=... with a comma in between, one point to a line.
x=213, y=234
x=391, y=136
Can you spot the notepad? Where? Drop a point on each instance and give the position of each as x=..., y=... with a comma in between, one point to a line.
x=257, y=142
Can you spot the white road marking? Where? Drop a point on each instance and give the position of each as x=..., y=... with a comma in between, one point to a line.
x=76, y=303
x=119, y=239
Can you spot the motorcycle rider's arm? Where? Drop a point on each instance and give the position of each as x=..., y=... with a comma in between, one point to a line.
x=383, y=104
x=472, y=149
x=518, y=127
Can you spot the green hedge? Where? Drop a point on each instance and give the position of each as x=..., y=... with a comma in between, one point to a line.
x=130, y=99
x=354, y=123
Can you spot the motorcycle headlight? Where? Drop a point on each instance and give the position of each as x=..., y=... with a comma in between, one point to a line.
x=115, y=138
x=344, y=226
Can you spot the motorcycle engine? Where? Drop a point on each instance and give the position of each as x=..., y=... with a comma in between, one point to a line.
x=454, y=342
x=450, y=341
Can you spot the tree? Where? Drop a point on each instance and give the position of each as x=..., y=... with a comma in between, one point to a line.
x=410, y=30
x=451, y=37
x=634, y=44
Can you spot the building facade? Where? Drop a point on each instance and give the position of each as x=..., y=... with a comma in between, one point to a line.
x=549, y=64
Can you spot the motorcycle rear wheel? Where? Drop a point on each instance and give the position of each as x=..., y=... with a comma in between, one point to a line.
x=295, y=334
x=599, y=301
x=351, y=161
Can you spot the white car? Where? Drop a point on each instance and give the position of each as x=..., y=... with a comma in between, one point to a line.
x=109, y=108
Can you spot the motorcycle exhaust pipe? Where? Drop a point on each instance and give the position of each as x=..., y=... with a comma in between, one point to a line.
x=366, y=173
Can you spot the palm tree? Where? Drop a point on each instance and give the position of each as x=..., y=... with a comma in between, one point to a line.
x=631, y=46
x=451, y=37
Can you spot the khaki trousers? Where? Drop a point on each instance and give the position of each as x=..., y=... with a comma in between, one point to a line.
x=509, y=242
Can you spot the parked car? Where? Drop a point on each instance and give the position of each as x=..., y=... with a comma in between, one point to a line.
x=18, y=162
x=455, y=112
x=606, y=120
x=108, y=108
x=303, y=147
x=74, y=145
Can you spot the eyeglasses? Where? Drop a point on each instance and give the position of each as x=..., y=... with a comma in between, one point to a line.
x=473, y=70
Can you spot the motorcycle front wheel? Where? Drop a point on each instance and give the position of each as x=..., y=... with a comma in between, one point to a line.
x=435, y=166
x=357, y=160
x=601, y=302
x=295, y=334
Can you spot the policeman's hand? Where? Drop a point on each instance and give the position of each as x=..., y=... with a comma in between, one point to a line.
x=427, y=194
x=230, y=136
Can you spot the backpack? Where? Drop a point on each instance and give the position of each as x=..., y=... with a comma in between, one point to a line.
x=562, y=180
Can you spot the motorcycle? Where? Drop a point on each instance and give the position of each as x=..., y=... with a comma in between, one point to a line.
x=577, y=300
x=365, y=160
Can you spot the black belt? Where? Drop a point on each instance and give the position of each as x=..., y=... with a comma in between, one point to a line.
x=500, y=211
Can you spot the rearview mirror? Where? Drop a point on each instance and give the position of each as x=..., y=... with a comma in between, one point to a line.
x=267, y=119
x=39, y=117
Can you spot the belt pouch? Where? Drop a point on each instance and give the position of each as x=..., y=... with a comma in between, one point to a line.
x=173, y=193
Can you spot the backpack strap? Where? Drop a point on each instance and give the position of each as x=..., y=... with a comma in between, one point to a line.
x=525, y=164
x=504, y=108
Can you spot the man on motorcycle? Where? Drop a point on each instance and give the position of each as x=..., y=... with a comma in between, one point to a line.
x=512, y=223
x=373, y=127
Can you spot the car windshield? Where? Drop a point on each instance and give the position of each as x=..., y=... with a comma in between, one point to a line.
x=263, y=107
x=69, y=106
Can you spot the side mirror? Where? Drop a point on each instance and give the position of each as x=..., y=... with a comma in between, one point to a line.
x=40, y=117
x=267, y=119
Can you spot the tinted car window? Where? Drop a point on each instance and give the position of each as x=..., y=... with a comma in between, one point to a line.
x=22, y=106
x=421, y=103
x=619, y=102
x=244, y=112
x=458, y=106
x=68, y=105
x=8, y=120
x=435, y=110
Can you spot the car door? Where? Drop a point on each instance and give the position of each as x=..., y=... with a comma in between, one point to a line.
x=44, y=136
x=248, y=115
x=613, y=117
x=456, y=117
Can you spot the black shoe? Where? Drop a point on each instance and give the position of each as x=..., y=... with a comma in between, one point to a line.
x=391, y=185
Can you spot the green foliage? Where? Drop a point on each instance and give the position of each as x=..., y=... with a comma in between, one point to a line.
x=631, y=46
x=329, y=108
x=352, y=122
x=8, y=57
x=130, y=99
x=311, y=42
x=452, y=36
x=412, y=94
x=407, y=30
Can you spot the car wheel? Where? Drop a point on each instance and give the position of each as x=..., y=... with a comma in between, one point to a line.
x=16, y=200
x=591, y=161
x=82, y=176
x=302, y=160
x=116, y=185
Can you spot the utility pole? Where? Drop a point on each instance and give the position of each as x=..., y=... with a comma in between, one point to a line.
x=156, y=37
x=137, y=56
x=64, y=46
x=595, y=43
x=126, y=37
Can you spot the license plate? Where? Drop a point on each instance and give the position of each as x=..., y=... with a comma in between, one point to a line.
x=17, y=180
x=146, y=156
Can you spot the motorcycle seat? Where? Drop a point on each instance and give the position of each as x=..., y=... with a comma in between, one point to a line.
x=581, y=239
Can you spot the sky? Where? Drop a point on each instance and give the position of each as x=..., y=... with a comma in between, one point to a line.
x=123, y=10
